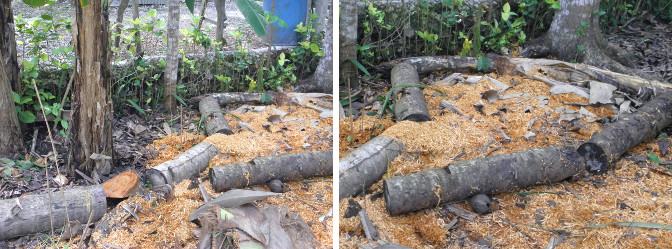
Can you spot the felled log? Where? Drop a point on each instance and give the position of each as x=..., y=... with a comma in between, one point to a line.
x=558, y=70
x=229, y=98
x=30, y=214
x=605, y=147
x=215, y=122
x=285, y=167
x=365, y=165
x=188, y=164
x=488, y=175
x=410, y=103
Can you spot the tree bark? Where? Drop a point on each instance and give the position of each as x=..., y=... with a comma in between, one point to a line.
x=120, y=19
x=410, y=102
x=220, y=5
x=11, y=142
x=574, y=35
x=186, y=165
x=348, y=46
x=605, y=148
x=8, y=46
x=170, y=78
x=488, y=175
x=322, y=79
x=364, y=166
x=285, y=167
x=30, y=214
x=213, y=118
x=138, y=41
x=91, y=124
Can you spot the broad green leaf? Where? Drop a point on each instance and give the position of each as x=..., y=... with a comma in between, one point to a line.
x=190, y=5
x=359, y=66
x=47, y=17
x=151, y=13
x=254, y=15
x=64, y=124
x=16, y=97
x=179, y=99
x=483, y=64
x=265, y=98
x=314, y=48
x=581, y=48
x=26, y=117
x=654, y=158
x=36, y=3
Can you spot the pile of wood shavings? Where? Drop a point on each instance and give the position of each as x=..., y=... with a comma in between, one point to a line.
x=436, y=143
x=161, y=224
x=301, y=130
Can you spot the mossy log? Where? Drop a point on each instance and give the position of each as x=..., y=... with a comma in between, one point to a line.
x=212, y=116
x=285, y=167
x=488, y=175
x=410, y=102
x=606, y=147
x=30, y=214
x=365, y=165
x=188, y=164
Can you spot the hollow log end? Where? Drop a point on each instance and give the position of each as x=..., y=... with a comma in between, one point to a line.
x=212, y=174
x=386, y=192
x=155, y=177
x=595, y=158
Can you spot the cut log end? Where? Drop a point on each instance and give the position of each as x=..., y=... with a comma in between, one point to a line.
x=418, y=117
x=122, y=185
x=595, y=158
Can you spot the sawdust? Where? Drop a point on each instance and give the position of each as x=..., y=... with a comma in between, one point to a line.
x=629, y=193
x=300, y=130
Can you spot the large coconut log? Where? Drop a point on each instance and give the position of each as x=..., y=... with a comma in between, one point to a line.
x=285, y=167
x=606, y=147
x=213, y=117
x=188, y=164
x=410, y=103
x=30, y=214
x=365, y=165
x=488, y=175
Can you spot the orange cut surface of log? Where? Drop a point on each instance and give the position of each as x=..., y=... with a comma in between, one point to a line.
x=122, y=185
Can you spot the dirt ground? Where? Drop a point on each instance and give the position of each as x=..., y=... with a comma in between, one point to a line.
x=527, y=218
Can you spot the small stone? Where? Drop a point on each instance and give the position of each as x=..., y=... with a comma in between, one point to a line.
x=277, y=186
x=481, y=203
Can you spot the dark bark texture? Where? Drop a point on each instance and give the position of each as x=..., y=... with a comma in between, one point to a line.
x=348, y=44
x=489, y=175
x=91, y=124
x=605, y=148
x=30, y=214
x=285, y=167
x=11, y=142
x=409, y=102
x=8, y=45
x=215, y=122
x=364, y=166
x=172, y=31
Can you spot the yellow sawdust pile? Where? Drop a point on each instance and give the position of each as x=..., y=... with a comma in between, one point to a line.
x=160, y=223
x=434, y=144
x=301, y=131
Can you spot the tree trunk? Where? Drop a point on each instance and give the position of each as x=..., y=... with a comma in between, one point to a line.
x=138, y=42
x=11, y=142
x=172, y=31
x=202, y=16
x=574, y=35
x=322, y=79
x=8, y=45
x=91, y=124
x=348, y=46
x=220, y=5
x=120, y=18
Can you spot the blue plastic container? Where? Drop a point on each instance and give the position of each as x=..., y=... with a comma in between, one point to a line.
x=292, y=12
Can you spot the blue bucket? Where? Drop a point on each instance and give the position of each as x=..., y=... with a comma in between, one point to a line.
x=292, y=12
